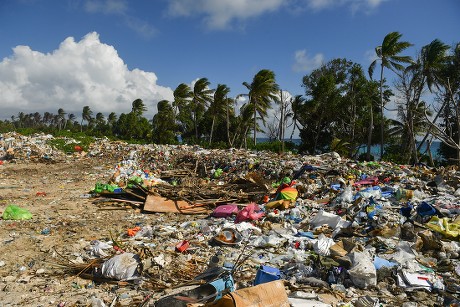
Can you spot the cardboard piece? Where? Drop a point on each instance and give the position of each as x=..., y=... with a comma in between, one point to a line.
x=270, y=294
x=155, y=203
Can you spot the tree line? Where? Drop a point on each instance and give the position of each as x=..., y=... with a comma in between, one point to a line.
x=342, y=109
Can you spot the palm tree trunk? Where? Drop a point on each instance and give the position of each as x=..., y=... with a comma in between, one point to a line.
x=230, y=142
x=317, y=133
x=381, y=112
x=369, y=136
x=212, y=130
x=255, y=124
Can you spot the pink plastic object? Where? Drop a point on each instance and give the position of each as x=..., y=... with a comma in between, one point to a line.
x=225, y=210
x=250, y=212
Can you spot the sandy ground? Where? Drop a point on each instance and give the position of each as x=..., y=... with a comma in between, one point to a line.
x=63, y=223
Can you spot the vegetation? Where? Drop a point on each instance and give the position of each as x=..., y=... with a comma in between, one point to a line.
x=341, y=109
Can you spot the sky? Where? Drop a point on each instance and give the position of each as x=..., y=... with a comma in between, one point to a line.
x=107, y=53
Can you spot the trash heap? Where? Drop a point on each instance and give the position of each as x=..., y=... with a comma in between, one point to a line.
x=18, y=147
x=299, y=230
x=242, y=228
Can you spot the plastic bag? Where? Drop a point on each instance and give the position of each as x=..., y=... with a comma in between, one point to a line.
x=250, y=212
x=122, y=267
x=330, y=219
x=322, y=245
x=13, y=212
x=363, y=273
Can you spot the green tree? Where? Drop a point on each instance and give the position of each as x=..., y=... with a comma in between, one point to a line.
x=262, y=90
x=429, y=68
x=70, y=120
x=297, y=103
x=201, y=98
x=61, y=118
x=112, y=118
x=86, y=115
x=218, y=107
x=163, y=124
x=336, y=107
x=182, y=106
x=138, y=107
x=389, y=56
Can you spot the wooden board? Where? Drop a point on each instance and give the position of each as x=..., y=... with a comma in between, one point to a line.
x=160, y=204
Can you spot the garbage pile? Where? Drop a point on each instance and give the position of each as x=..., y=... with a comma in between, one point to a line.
x=18, y=147
x=284, y=230
x=241, y=228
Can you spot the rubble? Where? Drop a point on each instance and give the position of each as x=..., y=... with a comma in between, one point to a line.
x=155, y=225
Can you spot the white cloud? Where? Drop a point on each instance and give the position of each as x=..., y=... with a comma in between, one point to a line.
x=76, y=74
x=354, y=5
x=221, y=14
x=303, y=62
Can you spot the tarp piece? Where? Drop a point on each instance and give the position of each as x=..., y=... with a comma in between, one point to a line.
x=271, y=294
x=155, y=203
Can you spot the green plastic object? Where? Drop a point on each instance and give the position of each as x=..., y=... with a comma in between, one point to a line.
x=13, y=212
x=218, y=173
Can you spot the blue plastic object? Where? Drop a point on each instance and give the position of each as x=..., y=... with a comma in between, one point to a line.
x=425, y=209
x=380, y=262
x=266, y=274
x=406, y=210
x=225, y=283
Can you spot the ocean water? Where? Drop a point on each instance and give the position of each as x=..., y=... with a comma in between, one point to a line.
x=375, y=149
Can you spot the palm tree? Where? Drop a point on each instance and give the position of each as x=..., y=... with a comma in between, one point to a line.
x=138, y=107
x=201, y=98
x=100, y=119
x=262, y=91
x=21, y=119
x=60, y=117
x=432, y=60
x=37, y=119
x=181, y=105
x=296, y=105
x=86, y=115
x=70, y=119
x=388, y=55
x=218, y=105
x=112, y=118
x=46, y=118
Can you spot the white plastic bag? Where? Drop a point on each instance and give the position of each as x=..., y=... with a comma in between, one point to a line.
x=122, y=267
x=362, y=273
x=322, y=245
x=330, y=219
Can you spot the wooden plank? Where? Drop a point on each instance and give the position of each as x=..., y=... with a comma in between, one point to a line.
x=155, y=203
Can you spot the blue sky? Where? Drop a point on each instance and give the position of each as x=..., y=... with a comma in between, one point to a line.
x=107, y=53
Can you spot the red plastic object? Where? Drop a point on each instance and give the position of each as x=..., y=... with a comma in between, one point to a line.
x=77, y=148
x=182, y=246
x=41, y=194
